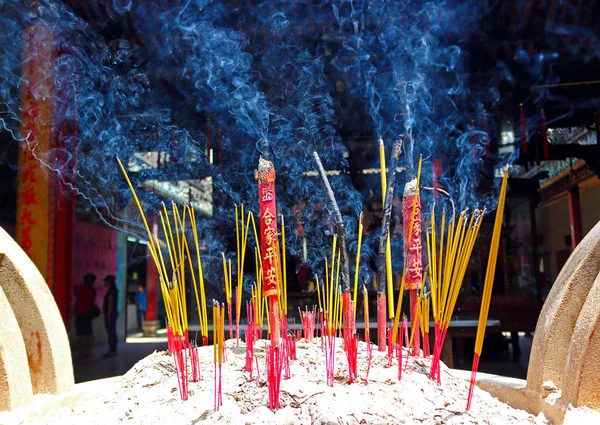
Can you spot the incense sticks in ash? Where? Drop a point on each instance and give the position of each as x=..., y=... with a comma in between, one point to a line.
x=173, y=289
x=489, y=282
x=448, y=261
x=218, y=350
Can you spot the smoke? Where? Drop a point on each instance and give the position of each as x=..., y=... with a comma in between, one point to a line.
x=289, y=78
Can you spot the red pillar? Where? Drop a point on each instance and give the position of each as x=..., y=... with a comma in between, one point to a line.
x=151, y=276
x=575, y=216
x=63, y=159
x=46, y=204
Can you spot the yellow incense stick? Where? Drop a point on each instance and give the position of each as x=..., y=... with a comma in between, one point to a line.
x=180, y=233
x=196, y=292
x=256, y=238
x=284, y=272
x=336, y=288
x=388, y=249
x=216, y=322
x=432, y=259
x=241, y=268
x=441, y=257
x=474, y=230
x=203, y=309
x=357, y=266
x=398, y=310
x=319, y=294
x=331, y=283
x=382, y=170
x=491, y=267
x=221, y=334
x=326, y=284
x=230, y=280
x=418, y=312
x=226, y=279
x=171, y=248
x=165, y=292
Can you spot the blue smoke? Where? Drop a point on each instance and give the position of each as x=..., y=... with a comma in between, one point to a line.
x=284, y=78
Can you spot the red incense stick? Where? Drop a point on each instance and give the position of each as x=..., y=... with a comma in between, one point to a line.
x=231, y=319
x=350, y=338
x=274, y=366
x=250, y=339
x=406, y=339
x=367, y=331
x=399, y=357
x=390, y=347
x=308, y=323
x=180, y=360
x=329, y=351
x=286, y=346
x=195, y=362
x=169, y=339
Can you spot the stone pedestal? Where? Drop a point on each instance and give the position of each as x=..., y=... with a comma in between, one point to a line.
x=149, y=327
x=15, y=380
x=38, y=320
x=565, y=356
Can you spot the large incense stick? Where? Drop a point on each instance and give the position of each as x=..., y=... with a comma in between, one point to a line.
x=339, y=222
x=271, y=276
x=346, y=312
x=384, y=270
x=268, y=229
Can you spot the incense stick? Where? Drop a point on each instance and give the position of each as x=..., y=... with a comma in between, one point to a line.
x=388, y=248
x=339, y=222
x=357, y=263
x=489, y=282
x=384, y=272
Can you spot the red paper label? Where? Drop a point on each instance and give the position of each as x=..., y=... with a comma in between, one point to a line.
x=268, y=231
x=414, y=268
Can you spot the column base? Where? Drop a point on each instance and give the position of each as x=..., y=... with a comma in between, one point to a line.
x=149, y=327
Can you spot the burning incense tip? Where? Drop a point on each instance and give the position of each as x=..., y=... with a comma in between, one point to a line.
x=410, y=188
x=265, y=166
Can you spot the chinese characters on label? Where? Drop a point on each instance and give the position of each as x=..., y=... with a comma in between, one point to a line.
x=414, y=269
x=269, y=242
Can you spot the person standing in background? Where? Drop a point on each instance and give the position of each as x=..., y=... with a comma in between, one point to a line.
x=140, y=301
x=84, y=309
x=110, y=314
